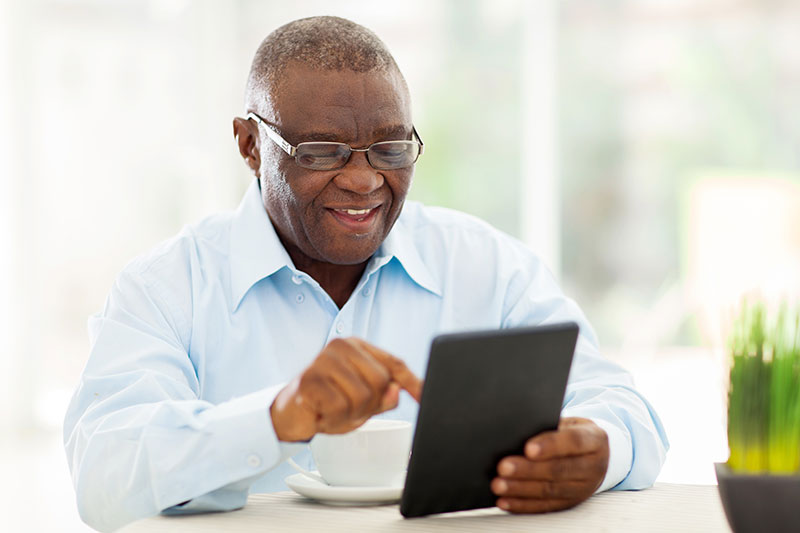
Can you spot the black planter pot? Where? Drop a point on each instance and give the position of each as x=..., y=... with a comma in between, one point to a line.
x=759, y=502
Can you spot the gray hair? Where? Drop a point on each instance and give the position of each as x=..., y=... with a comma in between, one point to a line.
x=324, y=43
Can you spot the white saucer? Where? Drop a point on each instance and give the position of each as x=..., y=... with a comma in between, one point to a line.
x=315, y=490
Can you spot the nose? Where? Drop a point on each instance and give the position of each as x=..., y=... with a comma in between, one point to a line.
x=358, y=176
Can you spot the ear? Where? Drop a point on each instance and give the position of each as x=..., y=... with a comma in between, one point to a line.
x=246, y=134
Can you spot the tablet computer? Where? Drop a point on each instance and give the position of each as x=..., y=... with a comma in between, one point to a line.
x=485, y=394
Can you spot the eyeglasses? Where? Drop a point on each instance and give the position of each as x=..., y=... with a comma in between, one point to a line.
x=386, y=155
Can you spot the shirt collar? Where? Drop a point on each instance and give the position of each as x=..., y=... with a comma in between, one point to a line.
x=256, y=252
x=400, y=245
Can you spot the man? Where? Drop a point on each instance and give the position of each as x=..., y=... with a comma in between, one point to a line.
x=312, y=307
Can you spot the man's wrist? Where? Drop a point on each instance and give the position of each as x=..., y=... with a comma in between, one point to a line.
x=285, y=421
x=278, y=425
x=620, y=455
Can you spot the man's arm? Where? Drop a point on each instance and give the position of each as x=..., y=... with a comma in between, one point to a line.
x=140, y=441
x=602, y=410
x=138, y=438
x=602, y=391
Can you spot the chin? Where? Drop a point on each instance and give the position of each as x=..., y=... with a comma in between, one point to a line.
x=357, y=252
x=348, y=259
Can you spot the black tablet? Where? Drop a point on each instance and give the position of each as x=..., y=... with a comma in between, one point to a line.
x=485, y=394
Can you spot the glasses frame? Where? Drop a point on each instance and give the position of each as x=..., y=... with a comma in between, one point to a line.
x=292, y=150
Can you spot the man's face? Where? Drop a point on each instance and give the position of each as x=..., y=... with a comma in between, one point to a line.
x=320, y=214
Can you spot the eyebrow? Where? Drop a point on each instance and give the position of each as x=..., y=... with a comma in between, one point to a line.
x=398, y=132
x=387, y=133
x=317, y=136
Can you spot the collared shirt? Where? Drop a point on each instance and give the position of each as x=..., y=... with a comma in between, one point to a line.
x=198, y=336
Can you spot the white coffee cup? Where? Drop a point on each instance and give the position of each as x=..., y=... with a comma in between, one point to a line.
x=374, y=455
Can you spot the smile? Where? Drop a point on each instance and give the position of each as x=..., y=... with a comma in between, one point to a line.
x=357, y=221
x=355, y=212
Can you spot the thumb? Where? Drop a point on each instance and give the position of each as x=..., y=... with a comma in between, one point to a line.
x=390, y=398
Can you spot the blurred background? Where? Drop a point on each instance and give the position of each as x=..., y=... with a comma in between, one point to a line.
x=649, y=150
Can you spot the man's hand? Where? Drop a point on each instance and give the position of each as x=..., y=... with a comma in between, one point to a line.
x=348, y=382
x=560, y=469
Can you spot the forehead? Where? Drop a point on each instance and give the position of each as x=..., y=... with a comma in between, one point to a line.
x=351, y=103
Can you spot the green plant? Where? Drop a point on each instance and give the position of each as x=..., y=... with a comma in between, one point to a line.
x=764, y=391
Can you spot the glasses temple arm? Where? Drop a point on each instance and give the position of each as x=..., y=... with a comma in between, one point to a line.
x=419, y=139
x=272, y=134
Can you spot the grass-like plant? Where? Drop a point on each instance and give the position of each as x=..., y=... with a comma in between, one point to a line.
x=764, y=391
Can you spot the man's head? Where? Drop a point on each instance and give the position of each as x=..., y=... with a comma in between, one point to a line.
x=326, y=79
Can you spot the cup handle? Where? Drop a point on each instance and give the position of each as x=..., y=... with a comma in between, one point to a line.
x=305, y=472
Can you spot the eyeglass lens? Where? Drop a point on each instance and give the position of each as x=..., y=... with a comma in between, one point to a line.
x=388, y=155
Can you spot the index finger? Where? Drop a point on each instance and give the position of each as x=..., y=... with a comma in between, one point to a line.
x=397, y=369
x=565, y=442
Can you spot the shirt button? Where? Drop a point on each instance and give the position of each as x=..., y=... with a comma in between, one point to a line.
x=366, y=291
x=339, y=328
x=299, y=298
x=254, y=460
x=296, y=279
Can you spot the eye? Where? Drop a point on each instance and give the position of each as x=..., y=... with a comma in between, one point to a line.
x=391, y=150
x=321, y=156
x=394, y=154
x=313, y=159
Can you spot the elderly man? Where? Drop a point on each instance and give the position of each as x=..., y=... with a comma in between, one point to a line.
x=312, y=307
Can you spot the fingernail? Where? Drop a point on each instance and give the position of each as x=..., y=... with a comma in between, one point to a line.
x=532, y=450
x=501, y=486
x=502, y=504
x=507, y=469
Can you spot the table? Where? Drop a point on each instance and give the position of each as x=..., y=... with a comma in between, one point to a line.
x=664, y=507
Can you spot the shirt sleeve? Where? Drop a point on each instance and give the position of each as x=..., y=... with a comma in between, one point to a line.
x=597, y=389
x=138, y=438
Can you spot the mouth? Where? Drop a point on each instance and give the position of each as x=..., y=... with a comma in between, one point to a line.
x=358, y=220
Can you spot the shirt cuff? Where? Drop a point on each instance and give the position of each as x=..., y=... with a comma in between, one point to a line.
x=236, y=444
x=244, y=424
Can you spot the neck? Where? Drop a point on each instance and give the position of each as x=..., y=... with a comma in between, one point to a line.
x=339, y=281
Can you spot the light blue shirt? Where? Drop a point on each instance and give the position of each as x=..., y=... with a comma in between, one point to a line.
x=198, y=336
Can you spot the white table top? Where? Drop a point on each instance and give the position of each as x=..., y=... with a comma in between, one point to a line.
x=665, y=507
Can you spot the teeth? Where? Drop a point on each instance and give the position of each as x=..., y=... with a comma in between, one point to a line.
x=355, y=211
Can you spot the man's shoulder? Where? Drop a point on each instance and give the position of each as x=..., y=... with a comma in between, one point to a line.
x=200, y=244
x=469, y=256
x=420, y=217
x=452, y=228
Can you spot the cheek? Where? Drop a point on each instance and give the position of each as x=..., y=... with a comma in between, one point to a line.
x=270, y=159
x=289, y=192
x=275, y=189
x=277, y=193
x=400, y=184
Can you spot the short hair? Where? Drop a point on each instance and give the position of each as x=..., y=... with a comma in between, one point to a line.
x=324, y=43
